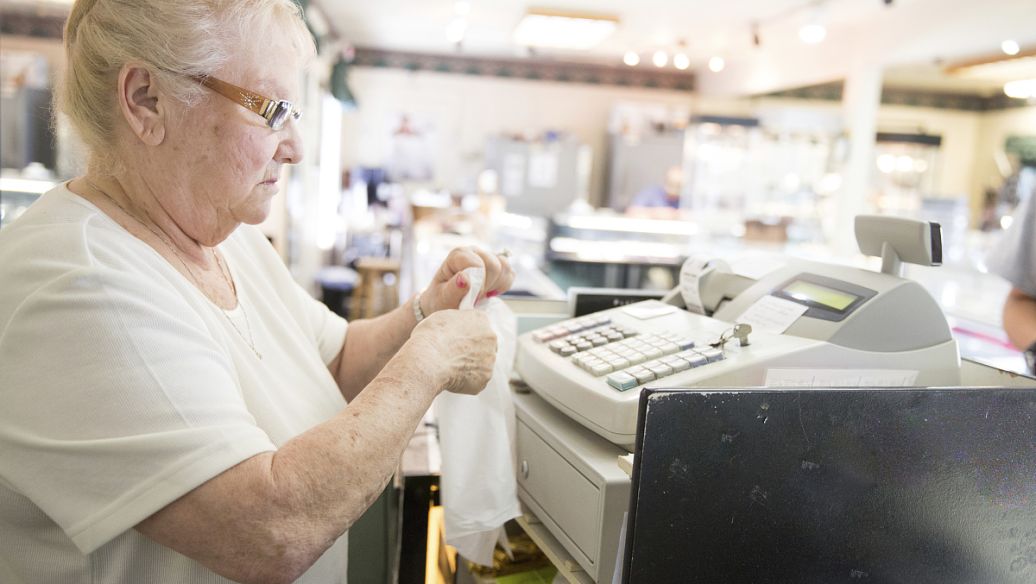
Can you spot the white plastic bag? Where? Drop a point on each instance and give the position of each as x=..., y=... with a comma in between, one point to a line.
x=476, y=438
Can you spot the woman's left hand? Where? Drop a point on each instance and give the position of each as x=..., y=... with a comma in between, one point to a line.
x=449, y=286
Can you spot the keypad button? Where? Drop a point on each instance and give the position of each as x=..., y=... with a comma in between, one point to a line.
x=659, y=369
x=637, y=357
x=676, y=363
x=602, y=368
x=712, y=354
x=622, y=381
x=567, y=351
x=618, y=362
x=643, y=375
x=669, y=348
x=694, y=358
x=584, y=345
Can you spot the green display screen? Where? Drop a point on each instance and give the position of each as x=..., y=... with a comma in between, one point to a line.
x=829, y=297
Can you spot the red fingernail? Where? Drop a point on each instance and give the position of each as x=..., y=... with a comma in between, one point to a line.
x=461, y=282
x=493, y=293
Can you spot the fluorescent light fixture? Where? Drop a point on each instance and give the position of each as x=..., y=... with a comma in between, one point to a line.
x=717, y=64
x=559, y=29
x=631, y=58
x=660, y=58
x=1021, y=89
x=812, y=33
x=1010, y=47
x=681, y=61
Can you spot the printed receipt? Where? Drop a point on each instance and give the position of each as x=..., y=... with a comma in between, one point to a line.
x=694, y=269
x=772, y=314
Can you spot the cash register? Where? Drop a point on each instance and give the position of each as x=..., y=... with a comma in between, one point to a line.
x=804, y=324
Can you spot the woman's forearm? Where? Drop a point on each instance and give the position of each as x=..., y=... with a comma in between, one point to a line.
x=269, y=518
x=369, y=345
x=1020, y=318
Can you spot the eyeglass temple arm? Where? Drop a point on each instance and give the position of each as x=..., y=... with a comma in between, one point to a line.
x=253, y=101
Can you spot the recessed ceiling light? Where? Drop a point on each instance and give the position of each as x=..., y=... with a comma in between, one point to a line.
x=660, y=58
x=716, y=64
x=1010, y=47
x=631, y=58
x=681, y=61
x=564, y=29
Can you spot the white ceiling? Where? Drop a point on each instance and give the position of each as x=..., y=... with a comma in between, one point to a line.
x=907, y=36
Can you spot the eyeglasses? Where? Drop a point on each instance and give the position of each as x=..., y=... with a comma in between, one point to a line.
x=275, y=111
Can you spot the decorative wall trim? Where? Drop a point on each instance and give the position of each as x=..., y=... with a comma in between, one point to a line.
x=31, y=24
x=911, y=97
x=531, y=69
x=43, y=25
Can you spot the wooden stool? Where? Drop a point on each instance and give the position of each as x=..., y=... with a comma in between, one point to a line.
x=373, y=273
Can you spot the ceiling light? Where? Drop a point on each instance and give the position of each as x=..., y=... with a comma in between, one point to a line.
x=631, y=58
x=660, y=58
x=563, y=29
x=456, y=29
x=1021, y=89
x=716, y=64
x=1010, y=47
x=812, y=33
x=681, y=61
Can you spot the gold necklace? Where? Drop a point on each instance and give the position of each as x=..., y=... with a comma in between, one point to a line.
x=223, y=270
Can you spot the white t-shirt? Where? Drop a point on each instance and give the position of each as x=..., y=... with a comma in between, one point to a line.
x=122, y=387
x=1015, y=258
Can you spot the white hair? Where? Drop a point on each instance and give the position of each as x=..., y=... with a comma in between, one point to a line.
x=174, y=39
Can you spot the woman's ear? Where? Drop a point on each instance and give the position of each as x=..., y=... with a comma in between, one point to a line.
x=144, y=110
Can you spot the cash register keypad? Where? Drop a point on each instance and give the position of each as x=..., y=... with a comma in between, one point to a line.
x=601, y=348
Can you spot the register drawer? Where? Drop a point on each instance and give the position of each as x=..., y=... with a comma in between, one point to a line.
x=569, y=478
x=569, y=499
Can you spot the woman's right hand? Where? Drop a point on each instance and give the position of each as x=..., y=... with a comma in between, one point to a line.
x=458, y=347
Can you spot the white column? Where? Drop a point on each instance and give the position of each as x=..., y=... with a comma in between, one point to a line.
x=861, y=99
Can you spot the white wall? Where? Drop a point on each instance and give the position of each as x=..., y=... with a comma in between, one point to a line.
x=466, y=110
x=993, y=131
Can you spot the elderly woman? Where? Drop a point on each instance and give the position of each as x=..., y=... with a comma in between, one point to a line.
x=173, y=408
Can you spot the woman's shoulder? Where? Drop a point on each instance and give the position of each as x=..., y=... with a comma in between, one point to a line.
x=64, y=228
x=62, y=236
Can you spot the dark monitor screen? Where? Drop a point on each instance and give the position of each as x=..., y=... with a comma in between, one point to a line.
x=588, y=300
x=827, y=486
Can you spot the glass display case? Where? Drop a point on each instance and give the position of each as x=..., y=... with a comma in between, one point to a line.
x=17, y=193
x=760, y=180
x=906, y=167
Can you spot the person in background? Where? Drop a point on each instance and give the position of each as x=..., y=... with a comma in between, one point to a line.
x=173, y=406
x=1015, y=260
x=661, y=200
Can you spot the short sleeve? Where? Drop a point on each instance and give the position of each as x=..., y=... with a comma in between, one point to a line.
x=116, y=401
x=1014, y=258
x=328, y=329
